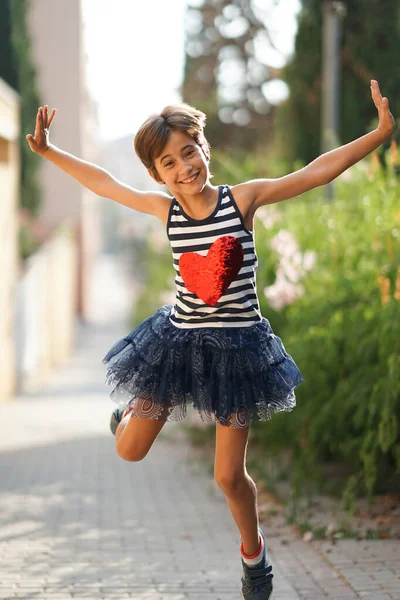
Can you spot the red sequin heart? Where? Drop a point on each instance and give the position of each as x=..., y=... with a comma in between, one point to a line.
x=210, y=276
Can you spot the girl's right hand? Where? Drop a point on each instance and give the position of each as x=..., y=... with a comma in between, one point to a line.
x=39, y=142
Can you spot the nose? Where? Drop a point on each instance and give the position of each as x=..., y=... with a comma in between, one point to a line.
x=186, y=169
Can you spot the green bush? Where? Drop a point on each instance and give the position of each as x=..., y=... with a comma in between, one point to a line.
x=344, y=332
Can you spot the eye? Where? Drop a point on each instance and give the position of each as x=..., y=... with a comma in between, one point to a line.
x=169, y=163
x=190, y=152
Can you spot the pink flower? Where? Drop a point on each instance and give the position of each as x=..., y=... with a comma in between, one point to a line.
x=292, y=268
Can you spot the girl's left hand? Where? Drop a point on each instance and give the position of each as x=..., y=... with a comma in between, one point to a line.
x=386, y=121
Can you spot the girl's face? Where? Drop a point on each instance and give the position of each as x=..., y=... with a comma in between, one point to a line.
x=182, y=165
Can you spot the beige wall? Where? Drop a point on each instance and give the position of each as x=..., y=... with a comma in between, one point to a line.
x=9, y=179
x=45, y=310
x=56, y=30
x=56, y=45
x=38, y=305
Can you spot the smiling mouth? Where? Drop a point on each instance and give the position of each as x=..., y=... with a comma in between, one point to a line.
x=190, y=179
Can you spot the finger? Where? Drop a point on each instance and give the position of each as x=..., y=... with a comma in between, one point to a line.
x=375, y=85
x=37, y=128
x=377, y=98
x=383, y=109
x=30, y=141
x=376, y=92
x=44, y=120
x=53, y=112
x=45, y=115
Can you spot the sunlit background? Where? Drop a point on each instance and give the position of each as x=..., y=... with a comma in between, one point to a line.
x=136, y=54
x=135, y=59
x=281, y=82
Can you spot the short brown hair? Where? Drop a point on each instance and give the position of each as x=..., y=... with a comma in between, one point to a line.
x=156, y=130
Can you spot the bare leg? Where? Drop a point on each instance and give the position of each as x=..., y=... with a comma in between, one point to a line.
x=239, y=489
x=242, y=502
x=135, y=434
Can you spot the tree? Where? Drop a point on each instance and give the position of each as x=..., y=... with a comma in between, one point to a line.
x=223, y=74
x=17, y=69
x=369, y=50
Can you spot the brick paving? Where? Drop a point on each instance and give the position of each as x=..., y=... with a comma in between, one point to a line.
x=372, y=568
x=76, y=521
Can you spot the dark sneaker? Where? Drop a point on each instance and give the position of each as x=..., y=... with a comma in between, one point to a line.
x=257, y=581
x=116, y=418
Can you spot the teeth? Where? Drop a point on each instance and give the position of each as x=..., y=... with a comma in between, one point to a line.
x=190, y=179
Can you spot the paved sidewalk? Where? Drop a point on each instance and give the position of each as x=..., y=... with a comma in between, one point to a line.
x=76, y=521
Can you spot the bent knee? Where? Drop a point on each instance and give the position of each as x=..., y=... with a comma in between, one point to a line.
x=230, y=482
x=131, y=454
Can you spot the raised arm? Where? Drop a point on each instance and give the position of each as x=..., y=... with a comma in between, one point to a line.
x=91, y=176
x=326, y=167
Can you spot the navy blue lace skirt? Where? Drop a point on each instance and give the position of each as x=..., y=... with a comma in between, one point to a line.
x=232, y=375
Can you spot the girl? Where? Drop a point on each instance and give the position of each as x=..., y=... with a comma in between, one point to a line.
x=212, y=348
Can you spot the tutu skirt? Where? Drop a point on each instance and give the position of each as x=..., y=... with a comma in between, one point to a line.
x=233, y=375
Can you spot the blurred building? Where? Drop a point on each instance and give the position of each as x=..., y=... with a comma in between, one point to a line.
x=120, y=222
x=9, y=196
x=57, y=31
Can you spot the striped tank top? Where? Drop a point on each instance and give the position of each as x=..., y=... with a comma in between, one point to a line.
x=215, y=262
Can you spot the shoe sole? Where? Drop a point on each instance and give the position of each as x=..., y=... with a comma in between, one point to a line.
x=269, y=597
